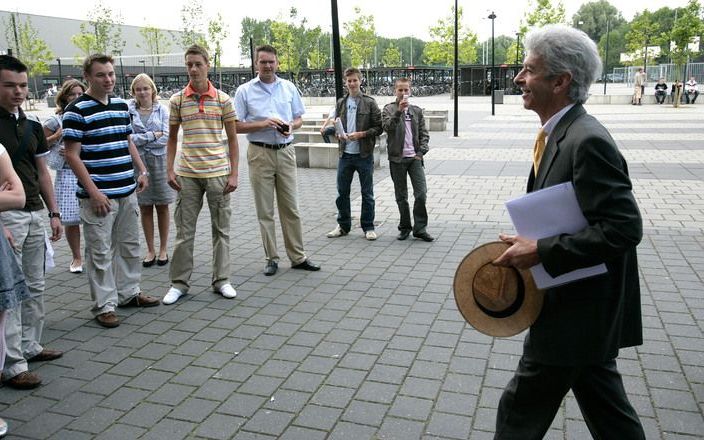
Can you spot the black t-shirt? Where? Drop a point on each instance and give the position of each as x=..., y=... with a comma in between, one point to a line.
x=12, y=133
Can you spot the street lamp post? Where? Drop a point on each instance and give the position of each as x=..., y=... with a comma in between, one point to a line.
x=455, y=78
x=144, y=66
x=58, y=60
x=606, y=55
x=492, y=16
x=518, y=45
x=122, y=75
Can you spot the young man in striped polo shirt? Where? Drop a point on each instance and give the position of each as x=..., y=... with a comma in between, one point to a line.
x=97, y=130
x=204, y=166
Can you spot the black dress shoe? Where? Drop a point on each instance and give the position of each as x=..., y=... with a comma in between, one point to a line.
x=271, y=268
x=424, y=236
x=148, y=263
x=403, y=235
x=306, y=265
x=163, y=262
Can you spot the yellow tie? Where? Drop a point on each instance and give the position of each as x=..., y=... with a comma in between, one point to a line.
x=538, y=150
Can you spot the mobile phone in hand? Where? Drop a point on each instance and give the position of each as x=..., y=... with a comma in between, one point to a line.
x=282, y=128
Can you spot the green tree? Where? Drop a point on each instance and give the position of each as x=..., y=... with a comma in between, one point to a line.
x=86, y=44
x=155, y=42
x=592, y=18
x=392, y=57
x=293, y=42
x=193, y=24
x=259, y=31
x=440, y=51
x=360, y=39
x=217, y=32
x=644, y=32
x=32, y=50
x=617, y=45
x=541, y=13
x=106, y=25
x=688, y=26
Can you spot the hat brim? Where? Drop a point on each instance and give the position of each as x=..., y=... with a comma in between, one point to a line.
x=522, y=318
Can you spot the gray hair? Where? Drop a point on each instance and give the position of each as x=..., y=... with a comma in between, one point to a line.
x=567, y=50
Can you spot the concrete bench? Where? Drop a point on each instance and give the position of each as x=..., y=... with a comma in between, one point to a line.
x=436, y=123
x=443, y=113
x=322, y=155
x=313, y=122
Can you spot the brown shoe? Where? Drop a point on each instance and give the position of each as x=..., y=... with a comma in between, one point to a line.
x=24, y=381
x=142, y=300
x=108, y=319
x=46, y=355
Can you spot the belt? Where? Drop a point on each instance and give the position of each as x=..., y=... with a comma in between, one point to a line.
x=271, y=146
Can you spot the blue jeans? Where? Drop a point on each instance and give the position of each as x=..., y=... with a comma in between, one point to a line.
x=329, y=131
x=412, y=168
x=346, y=166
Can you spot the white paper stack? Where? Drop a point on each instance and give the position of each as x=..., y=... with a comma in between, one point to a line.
x=545, y=213
x=339, y=129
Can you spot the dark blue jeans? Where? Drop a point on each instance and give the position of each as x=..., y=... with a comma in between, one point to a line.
x=329, y=131
x=412, y=168
x=364, y=166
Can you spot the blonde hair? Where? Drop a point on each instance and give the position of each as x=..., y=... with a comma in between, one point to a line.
x=147, y=78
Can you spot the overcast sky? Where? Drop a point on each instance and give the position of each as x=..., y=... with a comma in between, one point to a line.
x=393, y=19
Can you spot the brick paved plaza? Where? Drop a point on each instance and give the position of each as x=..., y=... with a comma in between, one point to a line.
x=372, y=346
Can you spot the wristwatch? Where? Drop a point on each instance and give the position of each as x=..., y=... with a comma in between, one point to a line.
x=55, y=215
x=144, y=173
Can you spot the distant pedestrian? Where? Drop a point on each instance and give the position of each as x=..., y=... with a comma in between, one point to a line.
x=691, y=90
x=660, y=91
x=150, y=130
x=638, y=86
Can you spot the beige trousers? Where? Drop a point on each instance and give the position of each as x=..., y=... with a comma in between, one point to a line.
x=112, y=252
x=189, y=202
x=273, y=172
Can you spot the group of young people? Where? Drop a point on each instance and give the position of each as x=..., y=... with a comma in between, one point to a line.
x=116, y=161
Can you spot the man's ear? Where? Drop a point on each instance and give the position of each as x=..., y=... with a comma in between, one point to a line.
x=562, y=82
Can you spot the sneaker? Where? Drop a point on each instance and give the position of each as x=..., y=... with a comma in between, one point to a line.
x=172, y=296
x=337, y=232
x=227, y=291
x=3, y=427
x=370, y=235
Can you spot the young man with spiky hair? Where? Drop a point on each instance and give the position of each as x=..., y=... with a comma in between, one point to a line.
x=97, y=130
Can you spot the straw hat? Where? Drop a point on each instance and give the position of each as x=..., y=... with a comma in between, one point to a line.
x=497, y=301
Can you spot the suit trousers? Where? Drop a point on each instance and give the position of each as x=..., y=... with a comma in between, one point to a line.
x=189, y=202
x=112, y=253
x=274, y=172
x=534, y=394
x=24, y=324
x=413, y=168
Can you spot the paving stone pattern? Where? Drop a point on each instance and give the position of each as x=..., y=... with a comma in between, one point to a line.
x=372, y=346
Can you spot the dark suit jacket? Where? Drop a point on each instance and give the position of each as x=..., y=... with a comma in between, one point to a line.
x=587, y=321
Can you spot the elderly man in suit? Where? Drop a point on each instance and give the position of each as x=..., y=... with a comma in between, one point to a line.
x=575, y=340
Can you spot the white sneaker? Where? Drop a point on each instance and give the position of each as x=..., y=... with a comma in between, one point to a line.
x=337, y=232
x=172, y=296
x=370, y=235
x=227, y=291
